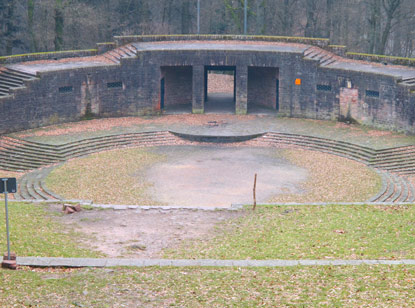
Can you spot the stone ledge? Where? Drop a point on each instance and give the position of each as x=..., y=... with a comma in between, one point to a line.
x=91, y=262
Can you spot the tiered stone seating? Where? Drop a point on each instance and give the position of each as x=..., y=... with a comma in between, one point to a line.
x=22, y=155
x=396, y=187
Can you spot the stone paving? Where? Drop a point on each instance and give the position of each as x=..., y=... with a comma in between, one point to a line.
x=90, y=262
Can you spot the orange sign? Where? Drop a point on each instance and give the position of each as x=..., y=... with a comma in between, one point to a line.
x=298, y=82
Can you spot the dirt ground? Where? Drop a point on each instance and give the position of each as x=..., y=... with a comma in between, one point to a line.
x=141, y=233
x=211, y=175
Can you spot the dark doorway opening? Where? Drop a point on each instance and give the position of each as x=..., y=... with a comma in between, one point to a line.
x=220, y=89
x=263, y=90
x=176, y=89
x=162, y=91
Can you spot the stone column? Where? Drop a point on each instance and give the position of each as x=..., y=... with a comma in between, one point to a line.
x=198, y=97
x=241, y=84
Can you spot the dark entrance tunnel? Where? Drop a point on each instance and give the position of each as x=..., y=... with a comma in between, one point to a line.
x=221, y=99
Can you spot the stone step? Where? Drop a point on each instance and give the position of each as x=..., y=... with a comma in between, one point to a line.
x=30, y=189
x=322, y=145
x=366, y=149
x=393, y=159
x=411, y=192
x=25, y=75
x=389, y=189
x=131, y=135
x=114, y=55
x=14, y=141
x=109, y=146
x=23, y=189
x=128, y=52
x=405, y=190
x=398, y=167
x=17, y=166
x=132, y=49
x=395, y=150
x=326, y=60
x=394, y=154
x=406, y=172
x=24, y=162
x=383, y=188
x=18, y=154
x=111, y=58
x=397, y=185
x=10, y=84
x=121, y=53
x=30, y=150
x=12, y=76
x=90, y=142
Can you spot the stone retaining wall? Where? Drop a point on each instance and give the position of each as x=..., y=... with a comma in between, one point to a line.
x=306, y=89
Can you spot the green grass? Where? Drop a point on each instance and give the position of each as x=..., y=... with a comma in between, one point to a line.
x=105, y=178
x=328, y=286
x=310, y=232
x=380, y=56
x=33, y=232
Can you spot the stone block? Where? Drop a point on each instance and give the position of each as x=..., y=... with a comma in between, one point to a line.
x=9, y=264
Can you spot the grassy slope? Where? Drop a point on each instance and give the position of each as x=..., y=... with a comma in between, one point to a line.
x=34, y=233
x=361, y=286
x=105, y=178
x=331, y=179
x=108, y=177
x=312, y=232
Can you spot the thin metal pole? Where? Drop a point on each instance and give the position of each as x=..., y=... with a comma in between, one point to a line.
x=198, y=16
x=245, y=17
x=7, y=219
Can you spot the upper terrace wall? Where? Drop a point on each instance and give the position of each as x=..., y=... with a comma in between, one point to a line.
x=133, y=88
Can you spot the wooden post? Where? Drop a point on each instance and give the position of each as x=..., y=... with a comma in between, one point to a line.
x=254, y=207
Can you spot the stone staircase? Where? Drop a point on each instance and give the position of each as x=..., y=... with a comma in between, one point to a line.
x=32, y=186
x=394, y=165
x=115, y=55
x=323, y=56
x=394, y=189
x=23, y=156
x=409, y=82
x=400, y=160
x=12, y=80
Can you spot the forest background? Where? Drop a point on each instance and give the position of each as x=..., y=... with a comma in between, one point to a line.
x=368, y=26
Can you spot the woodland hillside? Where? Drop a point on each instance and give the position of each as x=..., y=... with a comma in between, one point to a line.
x=369, y=26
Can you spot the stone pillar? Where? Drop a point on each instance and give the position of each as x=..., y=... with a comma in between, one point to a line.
x=152, y=89
x=198, y=97
x=241, y=84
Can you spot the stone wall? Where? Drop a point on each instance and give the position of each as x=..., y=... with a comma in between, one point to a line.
x=306, y=89
x=262, y=86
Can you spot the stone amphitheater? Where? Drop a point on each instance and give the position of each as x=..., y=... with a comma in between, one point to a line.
x=274, y=78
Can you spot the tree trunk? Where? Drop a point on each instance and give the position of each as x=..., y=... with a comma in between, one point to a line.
x=30, y=15
x=374, y=25
x=390, y=7
x=59, y=24
x=311, y=15
x=10, y=30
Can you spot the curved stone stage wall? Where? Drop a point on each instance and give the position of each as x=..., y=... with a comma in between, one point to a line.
x=304, y=78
